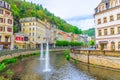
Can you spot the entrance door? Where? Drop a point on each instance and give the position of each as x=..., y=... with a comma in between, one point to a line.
x=112, y=46
x=101, y=46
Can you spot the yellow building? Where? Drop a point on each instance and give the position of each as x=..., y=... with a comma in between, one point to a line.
x=21, y=41
x=6, y=24
x=35, y=28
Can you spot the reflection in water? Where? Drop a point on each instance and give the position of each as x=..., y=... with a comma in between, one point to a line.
x=32, y=69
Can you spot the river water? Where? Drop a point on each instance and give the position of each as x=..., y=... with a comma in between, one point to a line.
x=61, y=69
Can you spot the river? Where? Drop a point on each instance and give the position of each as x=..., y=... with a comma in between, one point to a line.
x=32, y=69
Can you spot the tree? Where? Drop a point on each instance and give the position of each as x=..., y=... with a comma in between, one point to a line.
x=22, y=9
x=15, y=29
x=92, y=43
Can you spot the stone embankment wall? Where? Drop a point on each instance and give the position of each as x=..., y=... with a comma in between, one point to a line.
x=9, y=56
x=19, y=53
x=109, y=59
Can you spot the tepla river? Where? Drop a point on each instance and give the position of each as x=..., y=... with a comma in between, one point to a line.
x=32, y=69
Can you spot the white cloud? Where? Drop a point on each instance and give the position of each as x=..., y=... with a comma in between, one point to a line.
x=83, y=24
x=69, y=8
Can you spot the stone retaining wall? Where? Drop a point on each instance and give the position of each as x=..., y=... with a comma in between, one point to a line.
x=9, y=56
x=101, y=59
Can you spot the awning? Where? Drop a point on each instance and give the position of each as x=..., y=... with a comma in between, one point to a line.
x=103, y=42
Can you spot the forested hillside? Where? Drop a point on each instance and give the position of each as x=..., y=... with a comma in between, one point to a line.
x=21, y=9
x=89, y=32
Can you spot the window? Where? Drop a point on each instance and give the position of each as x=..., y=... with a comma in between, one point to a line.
x=118, y=30
x=105, y=31
x=9, y=29
x=102, y=7
x=105, y=19
x=33, y=39
x=9, y=21
x=119, y=45
x=116, y=2
x=1, y=28
x=105, y=46
x=111, y=18
x=29, y=34
x=99, y=32
x=29, y=23
x=1, y=20
x=0, y=2
x=118, y=16
x=99, y=9
x=6, y=38
x=33, y=34
x=99, y=21
x=1, y=11
x=0, y=38
x=33, y=29
x=112, y=31
x=7, y=13
x=30, y=29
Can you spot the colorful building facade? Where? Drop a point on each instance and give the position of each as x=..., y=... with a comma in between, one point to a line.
x=61, y=35
x=107, y=25
x=21, y=41
x=6, y=24
x=35, y=28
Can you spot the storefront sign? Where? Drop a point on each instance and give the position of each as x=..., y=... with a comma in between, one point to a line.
x=103, y=42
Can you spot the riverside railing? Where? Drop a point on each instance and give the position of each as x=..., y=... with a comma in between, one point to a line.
x=97, y=52
x=6, y=52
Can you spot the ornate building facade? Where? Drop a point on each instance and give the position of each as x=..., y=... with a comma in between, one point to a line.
x=36, y=30
x=107, y=25
x=6, y=24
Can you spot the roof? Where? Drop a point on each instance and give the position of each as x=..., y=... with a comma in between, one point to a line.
x=105, y=1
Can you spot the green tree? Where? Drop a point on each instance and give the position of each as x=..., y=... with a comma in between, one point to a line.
x=22, y=9
x=92, y=43
x=15, y=29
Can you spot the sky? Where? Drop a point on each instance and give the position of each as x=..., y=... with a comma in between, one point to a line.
x=76, y=12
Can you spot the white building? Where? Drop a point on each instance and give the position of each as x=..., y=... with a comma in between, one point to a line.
x=83, y=38
x=107, y=24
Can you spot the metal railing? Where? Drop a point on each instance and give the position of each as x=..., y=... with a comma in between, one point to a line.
x=6, y=52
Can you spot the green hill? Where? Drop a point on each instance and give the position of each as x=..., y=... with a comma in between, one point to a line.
x=89, y=32
x=21, y=9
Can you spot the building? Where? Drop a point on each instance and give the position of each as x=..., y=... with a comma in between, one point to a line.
x=6, y=25
x=74, y=37
x=107, y=25
x=53, y=29
x=21, y=41
x=61, y=35
x=83, y=38
x=35, y=28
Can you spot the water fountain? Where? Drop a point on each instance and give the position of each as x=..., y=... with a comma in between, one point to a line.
x=42, y=54
x=47, y=64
